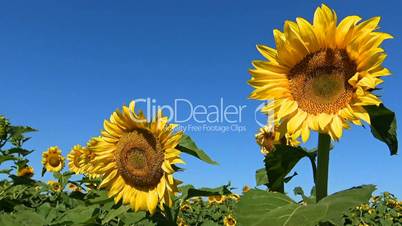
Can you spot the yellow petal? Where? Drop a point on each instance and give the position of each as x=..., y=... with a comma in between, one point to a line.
x=305, y=132
x=267, y=52
x=336, y=127
x=152, y=201
x=296, y=121
x=141, y=201
x=323, y=120
x=287, y=107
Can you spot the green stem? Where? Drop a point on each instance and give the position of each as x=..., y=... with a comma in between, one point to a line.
x=324, y=142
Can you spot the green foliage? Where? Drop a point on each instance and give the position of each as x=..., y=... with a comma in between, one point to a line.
x=278, y=165
x=383, y=126
x=188, y=191
x=199, y=212
x=382, y=210
x=263, y=208
x=188, y=146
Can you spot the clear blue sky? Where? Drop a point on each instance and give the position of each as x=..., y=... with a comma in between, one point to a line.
x=66, y=65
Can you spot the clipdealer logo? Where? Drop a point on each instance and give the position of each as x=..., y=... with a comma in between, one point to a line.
x=220, y=117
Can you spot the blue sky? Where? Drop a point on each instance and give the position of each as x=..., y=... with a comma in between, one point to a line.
x=65, y=66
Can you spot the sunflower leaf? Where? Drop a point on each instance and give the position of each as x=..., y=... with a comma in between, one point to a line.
x=188, y=191
x=383, y=126
x=280, y=162
x=261, y=208
x=4, y=158
x=187, y=145
x=261, y=177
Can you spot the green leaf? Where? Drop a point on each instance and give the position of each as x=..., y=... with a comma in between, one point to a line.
x=78, y=215
x=306, y=199
x=255, y=203
x=4, y=158
x=17, y=130
x=261, y=208
x=261, y=177
x=189, y=191
x=22, y=218
x=101, y=198
x=132, y=217
x=383, y=126
x=280, y=162
x=18, y=150
x=209, y=223
x=115, y=213
x=47, y=212
x=5, y=171
x=188, y=146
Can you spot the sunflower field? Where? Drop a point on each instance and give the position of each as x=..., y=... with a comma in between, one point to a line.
x=321, y=77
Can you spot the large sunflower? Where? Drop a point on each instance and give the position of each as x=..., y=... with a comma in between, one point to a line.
x=74, y=158
x=321, y=75
x=135, y=158
x=52, y=159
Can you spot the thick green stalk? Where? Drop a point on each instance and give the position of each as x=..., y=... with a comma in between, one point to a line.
x=324, y=143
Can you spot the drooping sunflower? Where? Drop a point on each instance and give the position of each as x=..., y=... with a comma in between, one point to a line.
x=135, y=157
x=74, y=158
x=26, y=171
x=52, y=159
x=54, y=185
x=321, y=75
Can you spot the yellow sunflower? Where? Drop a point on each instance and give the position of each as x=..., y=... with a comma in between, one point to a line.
x=73, y=187
x=87, y=158
x=229, y=220
x=321, y=75
x=52, y=159
x=216, y=199
x=54, y=185
x=135, y=158
x=74, y=158
x=26, y=171
x=235, y=197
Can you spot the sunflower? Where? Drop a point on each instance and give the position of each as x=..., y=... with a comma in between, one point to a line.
x=54, y=185
x=25, y=171
x=216, y=199
x=229, y=220
x=87, y=157
x=73, y=187
x=185, y=207
x=321, y=75
x=235, y=197
x=52, y=159
x=74, y=158
x=135, y=157
x=181, y=222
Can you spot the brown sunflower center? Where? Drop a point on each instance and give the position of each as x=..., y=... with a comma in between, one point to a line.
x=139, y=158
x=231, y=221
x=319, y=83
x=54, y=160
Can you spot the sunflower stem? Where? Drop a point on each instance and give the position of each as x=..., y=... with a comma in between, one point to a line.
x=324, y=142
